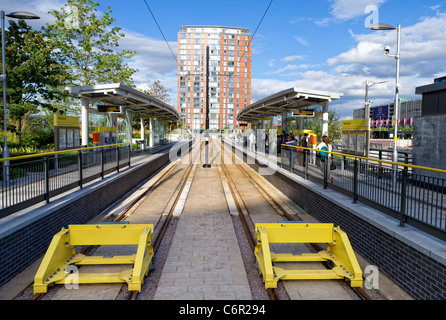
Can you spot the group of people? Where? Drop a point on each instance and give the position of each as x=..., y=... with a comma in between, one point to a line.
x=325, y=145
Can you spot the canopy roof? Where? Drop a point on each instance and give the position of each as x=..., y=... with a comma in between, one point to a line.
x=127, y=97
x=285, y=101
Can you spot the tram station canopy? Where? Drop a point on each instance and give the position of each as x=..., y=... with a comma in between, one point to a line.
x=129, y=98
x=285, y=101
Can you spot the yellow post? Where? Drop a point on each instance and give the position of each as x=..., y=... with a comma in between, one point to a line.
x=339, y=252
x=60, y=254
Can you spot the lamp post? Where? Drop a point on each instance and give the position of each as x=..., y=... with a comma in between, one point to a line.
x=206, y=160
x=17, y=15
x=384, y=26
x=367, y=112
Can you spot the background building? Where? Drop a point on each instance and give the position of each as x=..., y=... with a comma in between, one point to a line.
x=429, y=143
x=409, y=109
x=229, y=75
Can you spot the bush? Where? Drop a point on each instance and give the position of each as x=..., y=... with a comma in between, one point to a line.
x=14, y=173
x=37, y=137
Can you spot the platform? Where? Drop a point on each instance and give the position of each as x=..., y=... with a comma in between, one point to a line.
x=204, y=261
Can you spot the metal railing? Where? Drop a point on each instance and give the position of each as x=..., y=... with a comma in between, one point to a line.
x=384, y=154
x=27, y=180
x=413, y=194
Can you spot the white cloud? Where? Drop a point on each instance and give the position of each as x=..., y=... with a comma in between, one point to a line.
x=292, y=58
x=40, y=8
x=422, y=50
x=343, y=10
x=349, y=9
x=153, y=57
x=346, y=80
x=287, y=67
x=302, y=41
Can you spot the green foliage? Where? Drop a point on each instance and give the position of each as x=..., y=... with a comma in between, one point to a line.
x=34, y=75
x=79, y=48
x=33, y=139
x=87, y=42
x=334, y=124
x=14, y=173
x=157, y=90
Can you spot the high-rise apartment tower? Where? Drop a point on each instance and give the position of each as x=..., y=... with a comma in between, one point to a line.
x=229, y=75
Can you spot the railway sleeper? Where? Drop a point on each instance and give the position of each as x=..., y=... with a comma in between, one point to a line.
x=56, y=266
x=339, y=253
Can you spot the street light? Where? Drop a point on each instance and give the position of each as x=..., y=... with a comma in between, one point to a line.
x=385, y=26
x=367, y=111
x=16, y=15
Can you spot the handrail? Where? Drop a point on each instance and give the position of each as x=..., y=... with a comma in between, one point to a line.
x=371, y=159
x=59, y=152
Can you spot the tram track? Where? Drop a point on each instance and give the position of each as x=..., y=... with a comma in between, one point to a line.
x=280, y=206
x=271, y=197
x=163, y=223
x=168, y=212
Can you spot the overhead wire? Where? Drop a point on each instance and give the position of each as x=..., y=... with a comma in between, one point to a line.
x=255, y=31
x=159, y=28
x=173, y=55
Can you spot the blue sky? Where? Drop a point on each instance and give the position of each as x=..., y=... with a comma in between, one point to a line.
x=319, y=44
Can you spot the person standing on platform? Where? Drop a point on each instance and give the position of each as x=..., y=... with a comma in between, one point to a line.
x=325, y=145
x=252, y=141
x=304, y=143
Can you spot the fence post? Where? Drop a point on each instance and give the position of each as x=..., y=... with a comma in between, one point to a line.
x=102, y=163
x=47, y=179
x=130, y=149
x=117, y=158
x=403, y=217
x=79, y=160
x=355, y=181
x=282, y=149
x=307, y=161
x=325, y=171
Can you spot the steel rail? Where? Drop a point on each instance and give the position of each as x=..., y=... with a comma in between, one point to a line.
x=266, y=194
x=61, y=152
x=133, y=294
x=369, y=159
x=242, y=210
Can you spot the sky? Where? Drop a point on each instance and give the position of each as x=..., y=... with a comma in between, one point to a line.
x=310, y=45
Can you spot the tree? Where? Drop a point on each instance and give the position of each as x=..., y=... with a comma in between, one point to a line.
x=34, y=75
x=334, y=124
x=157, y=90
x=88, y=43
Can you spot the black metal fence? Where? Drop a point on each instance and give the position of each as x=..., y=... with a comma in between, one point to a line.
x=27, y=180
x=411, y=193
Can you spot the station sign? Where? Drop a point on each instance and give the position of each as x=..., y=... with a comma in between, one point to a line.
x=355, y=136
x=61, y=120
x=303, y=113
x=355, y=125
x=109, y=108
x=66, y=132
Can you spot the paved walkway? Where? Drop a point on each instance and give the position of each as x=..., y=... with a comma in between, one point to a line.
x=204, y=261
